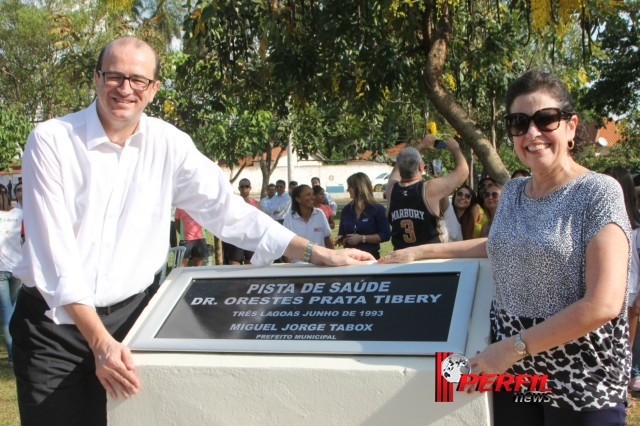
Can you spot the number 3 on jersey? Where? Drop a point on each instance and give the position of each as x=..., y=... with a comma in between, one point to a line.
x=409, y=236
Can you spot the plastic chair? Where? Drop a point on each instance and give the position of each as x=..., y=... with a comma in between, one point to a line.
x=173, y=261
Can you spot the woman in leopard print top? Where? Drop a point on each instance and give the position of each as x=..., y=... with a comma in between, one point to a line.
x=555, y=248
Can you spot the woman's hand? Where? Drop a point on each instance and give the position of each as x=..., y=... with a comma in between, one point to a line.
x=634, y=309
x=400, y=256
x=352, y=239
x=496, y=358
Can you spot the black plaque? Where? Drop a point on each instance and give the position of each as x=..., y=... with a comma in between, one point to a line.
x=408, y=307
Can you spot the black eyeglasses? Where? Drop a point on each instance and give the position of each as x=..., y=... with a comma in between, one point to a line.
x=244, y=186
x=546, y=119
x=115, y=79
x=463, y=194
x=491, y=194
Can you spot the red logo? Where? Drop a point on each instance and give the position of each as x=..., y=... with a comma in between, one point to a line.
x=454, y=368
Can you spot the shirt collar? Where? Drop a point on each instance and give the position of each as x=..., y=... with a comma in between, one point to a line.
x=295, y=215
x=96, y=135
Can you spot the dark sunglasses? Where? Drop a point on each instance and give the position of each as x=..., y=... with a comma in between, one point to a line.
x=491, y=194
x=244, y=186
x=463, y=194
x=546, y=120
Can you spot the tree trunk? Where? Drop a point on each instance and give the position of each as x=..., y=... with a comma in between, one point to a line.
x=267, y=166
x=235, y=175
x=217, y=246
x=446, y=104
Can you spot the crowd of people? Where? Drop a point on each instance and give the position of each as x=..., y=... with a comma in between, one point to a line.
x=100, y=182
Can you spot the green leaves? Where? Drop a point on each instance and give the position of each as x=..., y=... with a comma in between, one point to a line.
x=14, y=130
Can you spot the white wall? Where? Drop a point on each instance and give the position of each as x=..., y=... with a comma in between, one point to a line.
x=303, y=171
x=13, y=177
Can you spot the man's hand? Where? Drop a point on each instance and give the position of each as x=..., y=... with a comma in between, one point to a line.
x=326, y=257
x=426, y=143
x=115, y=369
x=452, y=144
x=114, y=364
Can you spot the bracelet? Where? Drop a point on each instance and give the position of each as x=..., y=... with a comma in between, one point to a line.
x=306, y=257
x=364, y=239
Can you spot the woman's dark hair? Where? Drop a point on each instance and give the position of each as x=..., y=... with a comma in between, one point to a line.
x=295, y=204
x=5, y=199
x=317, y=189
x=467, y=221
x=623, y=177
x=539, y=80
x=522, y=172
x=474, y=197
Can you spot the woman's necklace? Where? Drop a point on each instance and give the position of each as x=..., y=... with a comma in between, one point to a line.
x=534, y=192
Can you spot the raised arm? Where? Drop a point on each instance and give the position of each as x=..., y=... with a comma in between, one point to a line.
x=438, y=188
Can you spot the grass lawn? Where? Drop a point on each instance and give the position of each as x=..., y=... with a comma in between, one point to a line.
x=8, y=403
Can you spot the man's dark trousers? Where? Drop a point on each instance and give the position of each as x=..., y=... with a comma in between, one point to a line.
x=54, y=366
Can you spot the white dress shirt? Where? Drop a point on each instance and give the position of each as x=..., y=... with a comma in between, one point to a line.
x=266, y=205
x=97, y=215
x=280, y=205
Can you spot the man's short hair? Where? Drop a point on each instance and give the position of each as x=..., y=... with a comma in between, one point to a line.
x=293, y=182
x=271, y=185
x=281, y=182
x=136, y=43
x=408, y=161
x=245, y=180
x=315, y=178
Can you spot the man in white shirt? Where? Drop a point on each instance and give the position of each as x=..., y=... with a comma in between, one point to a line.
x=266, y=202
x=280, y=203
x=98, y=190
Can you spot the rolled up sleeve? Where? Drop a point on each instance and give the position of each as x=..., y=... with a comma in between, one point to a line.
x=205, y=193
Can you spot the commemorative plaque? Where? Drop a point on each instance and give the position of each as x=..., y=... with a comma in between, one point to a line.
x=373, y=309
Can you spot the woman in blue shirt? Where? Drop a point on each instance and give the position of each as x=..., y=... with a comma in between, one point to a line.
x=363, y=224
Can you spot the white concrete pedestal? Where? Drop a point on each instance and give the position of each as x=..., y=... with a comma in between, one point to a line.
x=197, y=388
x=211, y=389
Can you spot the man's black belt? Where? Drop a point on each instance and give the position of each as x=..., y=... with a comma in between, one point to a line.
x=101, y=310
x=106, y=310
